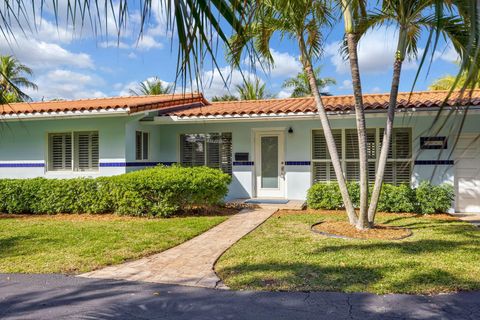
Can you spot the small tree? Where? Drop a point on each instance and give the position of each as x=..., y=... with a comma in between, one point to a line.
x=253, y=90
x=301, y=86
x=152, y=87
x=14, y=76
x=225, y=97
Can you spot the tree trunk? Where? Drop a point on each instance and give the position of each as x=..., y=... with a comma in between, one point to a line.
x=332, y=148
x=387, y=134
x=352, y=43
x=361, y=131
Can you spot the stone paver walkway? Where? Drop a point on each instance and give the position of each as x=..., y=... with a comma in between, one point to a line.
x=190, y=263
x=473, y=218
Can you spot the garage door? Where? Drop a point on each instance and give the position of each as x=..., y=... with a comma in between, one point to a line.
x=467, y=174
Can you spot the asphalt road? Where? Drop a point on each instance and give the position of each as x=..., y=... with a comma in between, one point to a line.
x=64, y=297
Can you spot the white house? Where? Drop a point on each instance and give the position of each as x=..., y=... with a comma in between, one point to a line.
x=272, y=148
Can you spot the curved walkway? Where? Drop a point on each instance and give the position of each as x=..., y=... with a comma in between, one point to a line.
x=61, y=297
x=190, y=263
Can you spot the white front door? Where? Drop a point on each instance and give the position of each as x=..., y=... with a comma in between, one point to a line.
x=467, y=174
x=270, y=164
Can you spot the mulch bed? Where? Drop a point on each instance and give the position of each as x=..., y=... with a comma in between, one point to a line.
x=343, y=229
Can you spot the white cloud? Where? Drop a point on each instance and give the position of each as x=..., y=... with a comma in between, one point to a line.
x=284, y=64
x=132, y=55
x=376, y=90
x=147, y=42
x=346, y=85
x=376, y=53
x=113, y=44
x=214, y=85
x=39, y=54
x=66, y=84
x=285, y=93
x=448, y=54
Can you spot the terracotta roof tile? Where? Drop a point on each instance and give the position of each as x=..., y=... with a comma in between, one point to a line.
x=426, y=99
x=132, y=104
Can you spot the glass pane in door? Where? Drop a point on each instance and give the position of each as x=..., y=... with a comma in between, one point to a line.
x=269, y=152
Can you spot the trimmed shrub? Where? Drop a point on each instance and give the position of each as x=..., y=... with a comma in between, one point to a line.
x=162, y=191
x=425, y=199
x=324, y=196
x=399, y=198
x=159, y=191
x=434, y=199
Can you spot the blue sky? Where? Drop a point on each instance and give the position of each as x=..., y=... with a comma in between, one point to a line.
x=73, y=64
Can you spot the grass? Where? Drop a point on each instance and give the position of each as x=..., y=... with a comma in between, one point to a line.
x=81, y=243
x=442, y=255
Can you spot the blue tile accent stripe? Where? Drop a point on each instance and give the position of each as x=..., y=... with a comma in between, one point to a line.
x=243, y=163
x=22, y=165
x=297, y=163
x=434, y=162
x=134, y=164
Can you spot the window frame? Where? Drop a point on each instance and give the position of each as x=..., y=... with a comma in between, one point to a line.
x=378, y=147
x=142, y=145
x=74, y=167
x=205, y=156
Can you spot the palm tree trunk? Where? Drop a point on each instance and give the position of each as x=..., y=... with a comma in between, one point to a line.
x=387, y=134
x=327, y=130
x=359, y=115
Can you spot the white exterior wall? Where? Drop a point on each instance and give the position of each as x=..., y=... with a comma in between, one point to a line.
x=24, y=146
x=298, y=176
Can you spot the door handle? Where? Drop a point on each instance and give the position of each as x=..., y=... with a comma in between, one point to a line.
x=282, y=171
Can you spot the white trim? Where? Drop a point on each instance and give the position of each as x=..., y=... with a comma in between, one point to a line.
x=65, y=114
x=297, y=115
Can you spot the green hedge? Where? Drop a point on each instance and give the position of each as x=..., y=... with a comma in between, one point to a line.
x=159, y=191
x=425, y=199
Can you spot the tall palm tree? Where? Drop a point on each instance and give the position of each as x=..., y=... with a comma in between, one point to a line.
x=301, y=86
x=410, y=17
x=302, y=21
x=152, y=87
x=252, y=90
x=14, y=77
x=354, y=11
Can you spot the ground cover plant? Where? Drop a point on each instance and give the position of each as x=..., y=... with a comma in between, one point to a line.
x=79, y=243
x=160, y=191
x=284, y=254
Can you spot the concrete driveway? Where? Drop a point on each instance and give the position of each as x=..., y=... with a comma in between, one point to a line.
x=64, y=297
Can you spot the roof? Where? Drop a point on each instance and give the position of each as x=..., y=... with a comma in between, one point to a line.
x=128, y=105
x=195, y=105
x=426, y=99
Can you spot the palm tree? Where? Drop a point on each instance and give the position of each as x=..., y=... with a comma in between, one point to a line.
x=449, y=82
x=301, y=86
x=225, y=97
x=302, y=21
x=410, y=16
x=353, y=12
x=252, y=90
x=13, y=76
x=152, y=87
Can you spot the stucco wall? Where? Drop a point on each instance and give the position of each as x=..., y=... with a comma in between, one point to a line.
x=298, y=147
x=23, y=146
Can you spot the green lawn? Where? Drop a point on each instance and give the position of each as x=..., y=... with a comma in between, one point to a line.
x=443, y=255
x=80, y=243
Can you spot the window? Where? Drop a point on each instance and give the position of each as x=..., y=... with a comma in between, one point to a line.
x=77, y=151
x=142, y=141
x=398, y=169
x=213, y=150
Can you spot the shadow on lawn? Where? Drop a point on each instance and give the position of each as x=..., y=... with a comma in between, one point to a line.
x=308, y=277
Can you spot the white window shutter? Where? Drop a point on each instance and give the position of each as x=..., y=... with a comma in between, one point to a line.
x=60, y=151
